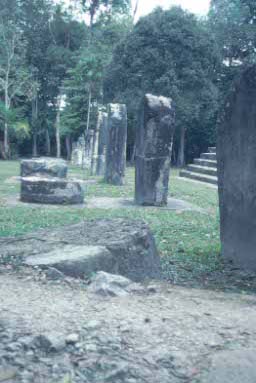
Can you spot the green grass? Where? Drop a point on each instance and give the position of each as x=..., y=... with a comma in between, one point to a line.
x=188, y=241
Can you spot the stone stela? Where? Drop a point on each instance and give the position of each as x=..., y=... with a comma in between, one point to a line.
x=116, y=144
x=236, y=158
x=153, y=150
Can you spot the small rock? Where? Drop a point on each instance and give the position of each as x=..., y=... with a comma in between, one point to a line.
x=152, y=289
x=26, y=341
x=50, y=342
x=92, y=325
x=13, y=347
x=54, y=274
x=72, y=338
x=106, y=284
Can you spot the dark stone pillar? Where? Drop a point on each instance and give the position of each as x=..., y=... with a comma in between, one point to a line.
x=116, y=144
x=153, y=150
x=236, y=157
x=102, y=147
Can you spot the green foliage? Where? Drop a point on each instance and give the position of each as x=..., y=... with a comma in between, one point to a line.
x=88, y=73
x=234, y=25
x=169, y=53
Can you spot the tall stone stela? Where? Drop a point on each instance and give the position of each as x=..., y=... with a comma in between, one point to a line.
x=116, y=144
x=154, y=140
x=102, y=147
x=236, y=157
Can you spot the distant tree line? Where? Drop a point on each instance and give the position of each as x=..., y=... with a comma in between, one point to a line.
x=57, y=71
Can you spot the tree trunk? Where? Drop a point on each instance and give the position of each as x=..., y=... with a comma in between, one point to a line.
x=181, y=154
x=6, y=141
x=47, y=143
x=89, y=109
x=34, y=149
x=6, y=135
x=57, y=134
x=68, y=147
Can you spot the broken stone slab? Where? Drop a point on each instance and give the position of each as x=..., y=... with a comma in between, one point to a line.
x=154, y=139
x=234, y=366
x=116, y=144
x=236, y=159
x=75, y=261
x=129, y=248
x=51, y=191
x=44, y=167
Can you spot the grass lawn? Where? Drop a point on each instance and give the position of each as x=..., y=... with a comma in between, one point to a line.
x=188, y=241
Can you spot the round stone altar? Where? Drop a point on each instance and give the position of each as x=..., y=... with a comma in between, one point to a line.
x=51, y=191
x=44, y=167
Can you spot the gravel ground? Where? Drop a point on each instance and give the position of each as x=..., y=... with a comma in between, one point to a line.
x=165, y=334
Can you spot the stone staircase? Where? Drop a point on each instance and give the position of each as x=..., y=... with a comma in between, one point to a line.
x=203, y=169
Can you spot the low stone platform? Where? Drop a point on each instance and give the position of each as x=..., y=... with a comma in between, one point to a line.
x=44, y=167
x=51, y=191
x=118, y=246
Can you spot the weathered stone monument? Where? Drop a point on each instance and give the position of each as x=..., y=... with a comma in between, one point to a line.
x=95, y=144
x=116, y=144
x=102, y=147
x=236, y=155
x=43, y=180
x=78, y=152
x=153, y=150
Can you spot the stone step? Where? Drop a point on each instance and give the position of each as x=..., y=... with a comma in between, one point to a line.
x=208, y=163
x=202, y=170
x=199, y=177
x=212, y=149
x=208, y=156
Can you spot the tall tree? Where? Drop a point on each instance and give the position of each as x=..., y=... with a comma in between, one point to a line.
x=169, y=53
x=15, y=79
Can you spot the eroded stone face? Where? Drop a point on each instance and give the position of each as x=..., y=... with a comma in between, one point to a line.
x=51, y=191
x=116, y=144
x=44, y=167
x=236, y=157
x=153, y=150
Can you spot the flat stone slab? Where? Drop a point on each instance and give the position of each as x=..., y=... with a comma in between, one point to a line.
x=51, y=191
x=117, y=246
x=75, y=261
x=233, y=366
x=44, y=167
x=120, y=203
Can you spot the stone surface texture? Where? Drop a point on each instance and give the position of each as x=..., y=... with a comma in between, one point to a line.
x=236, y=157
x=118, y=246
x=51, y=191
x=44, y=167
x=116, y=144
x=153, y=150
x=102, y=147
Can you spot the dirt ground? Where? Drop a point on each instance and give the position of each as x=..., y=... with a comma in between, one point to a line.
x=165, y=334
